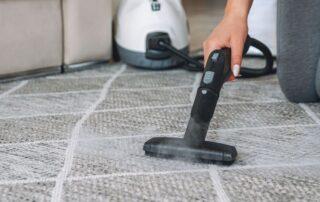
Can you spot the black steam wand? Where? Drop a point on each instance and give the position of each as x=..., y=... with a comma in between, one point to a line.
x=216, y=72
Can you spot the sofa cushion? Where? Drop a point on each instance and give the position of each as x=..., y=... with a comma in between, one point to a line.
x=30, y=35
x=87, y=30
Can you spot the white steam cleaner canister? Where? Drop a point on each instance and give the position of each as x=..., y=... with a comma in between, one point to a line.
x=139, y=22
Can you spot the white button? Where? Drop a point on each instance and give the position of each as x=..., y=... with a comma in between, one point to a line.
x=215, y=57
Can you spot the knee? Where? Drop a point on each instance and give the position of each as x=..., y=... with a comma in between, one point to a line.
x=298, y=87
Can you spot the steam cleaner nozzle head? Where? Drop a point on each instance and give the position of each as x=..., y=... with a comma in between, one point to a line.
x=166, y=147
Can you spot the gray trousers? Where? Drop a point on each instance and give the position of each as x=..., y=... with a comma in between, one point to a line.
x=298, y=64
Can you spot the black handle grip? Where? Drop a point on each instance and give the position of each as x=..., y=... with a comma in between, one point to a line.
x=216, y=72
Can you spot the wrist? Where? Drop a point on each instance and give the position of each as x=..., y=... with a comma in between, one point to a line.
x=238, y=9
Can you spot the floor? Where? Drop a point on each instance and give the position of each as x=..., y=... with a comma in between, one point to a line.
x=79, y=137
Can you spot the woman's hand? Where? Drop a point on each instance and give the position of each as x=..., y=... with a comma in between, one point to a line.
x=231, y=32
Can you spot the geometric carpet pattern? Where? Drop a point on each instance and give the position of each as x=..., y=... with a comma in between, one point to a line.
x=79, y=137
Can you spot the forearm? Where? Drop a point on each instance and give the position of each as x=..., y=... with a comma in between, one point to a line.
x=240, y=8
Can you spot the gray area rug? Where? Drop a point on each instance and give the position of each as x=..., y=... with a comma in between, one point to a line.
x=79, y=137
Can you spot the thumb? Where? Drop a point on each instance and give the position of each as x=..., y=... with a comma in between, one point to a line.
x=236, y=56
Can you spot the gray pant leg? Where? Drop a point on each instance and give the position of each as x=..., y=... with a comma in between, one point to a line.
x=318, y=78
x=298, y=48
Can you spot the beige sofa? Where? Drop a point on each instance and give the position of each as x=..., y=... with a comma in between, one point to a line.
x=42, y=36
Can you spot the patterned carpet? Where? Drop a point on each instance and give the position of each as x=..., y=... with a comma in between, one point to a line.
x=79, y=137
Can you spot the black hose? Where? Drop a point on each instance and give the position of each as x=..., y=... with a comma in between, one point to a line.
x=247, y=72
x=194, y=64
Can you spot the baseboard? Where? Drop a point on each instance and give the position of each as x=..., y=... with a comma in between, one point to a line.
x=30, y=74
x=82, y=66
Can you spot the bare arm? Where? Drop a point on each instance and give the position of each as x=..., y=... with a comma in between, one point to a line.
x=231, y=32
